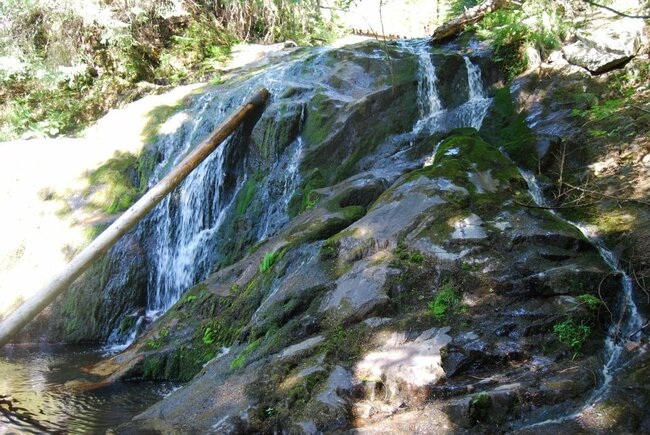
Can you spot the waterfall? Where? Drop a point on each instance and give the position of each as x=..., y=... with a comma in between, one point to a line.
x=473, y=111
x=628, y=318
x=474, y=81
x=181, y=233
x=428, y=99
x=433, y=115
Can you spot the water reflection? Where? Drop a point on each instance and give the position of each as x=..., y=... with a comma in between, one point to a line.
x=34, y=397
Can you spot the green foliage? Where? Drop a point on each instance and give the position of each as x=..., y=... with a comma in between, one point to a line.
x=447, y=298
x=572, y=334
x=208, y=336
x=591, y=301
x=406, y=258
x=458, y=7
x=152, y=344
x=539, y=25
x=70, y=64
x=479, y=406
x=598, y=112
x=189, y=298
x=269, y=260
x=201, y=44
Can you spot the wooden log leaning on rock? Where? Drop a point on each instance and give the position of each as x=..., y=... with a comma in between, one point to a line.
x=30, y=309
x=471, y=16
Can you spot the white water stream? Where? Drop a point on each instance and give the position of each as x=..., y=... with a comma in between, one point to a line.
x=625, y=321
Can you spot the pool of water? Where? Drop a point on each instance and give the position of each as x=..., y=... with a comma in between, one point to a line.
x=36, y=393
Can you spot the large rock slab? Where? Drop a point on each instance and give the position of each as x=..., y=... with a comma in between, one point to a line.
x=404, y=366
x=605, y=44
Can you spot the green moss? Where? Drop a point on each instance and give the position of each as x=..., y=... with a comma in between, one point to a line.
x=507, y=129
x=153, y=367
x=343, y=344
x=269, y=260
x=479, y=407
x=591, y=301
x=156, y=118
x=447, y=298
x=405, y=258
x=305, y=197
x=127, y=324
x=320, y=117
x=552, y=223
x=473, y=154
x=247, y=193
x=114, y=186
x=240, y=361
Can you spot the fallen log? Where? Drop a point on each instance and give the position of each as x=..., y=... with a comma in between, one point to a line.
x=471, y=16
x=30, y=309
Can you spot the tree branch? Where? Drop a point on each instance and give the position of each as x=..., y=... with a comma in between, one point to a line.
x=471, y=16
x=622, y=14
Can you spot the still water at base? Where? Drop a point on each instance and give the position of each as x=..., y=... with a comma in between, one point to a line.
x=34, y=397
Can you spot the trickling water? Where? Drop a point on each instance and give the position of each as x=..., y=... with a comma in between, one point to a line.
x=182, y=224
x=627, y=319
x=474, y=81
x=433, y=116
x=181, y=232
x=276, y=214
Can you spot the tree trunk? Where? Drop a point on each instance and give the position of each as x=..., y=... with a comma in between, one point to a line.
x=471, y=16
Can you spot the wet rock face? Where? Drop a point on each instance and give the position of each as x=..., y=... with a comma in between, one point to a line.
x=469, y=286
x=412, y=289
x=108, y=299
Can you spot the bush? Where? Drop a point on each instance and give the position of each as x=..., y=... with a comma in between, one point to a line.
x=446, y=299
x=268, y=261
x=63, y=64
x=571, y=334
x=539, y=25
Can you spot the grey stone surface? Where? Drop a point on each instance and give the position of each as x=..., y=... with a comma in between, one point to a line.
x=400, y=362
x=605, y=44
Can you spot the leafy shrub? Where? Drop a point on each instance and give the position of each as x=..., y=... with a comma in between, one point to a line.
x=539, y=25
x=70, y=64
x=572, y=334
x=446, y=299
x=591, y=301
x=269, y=260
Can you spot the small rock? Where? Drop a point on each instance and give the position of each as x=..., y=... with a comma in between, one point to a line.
x=646, y=160
x=303, y=346
x=374, y=322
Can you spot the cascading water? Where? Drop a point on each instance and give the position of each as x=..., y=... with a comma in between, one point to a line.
x=627, y=320
x=433, y=116
x=182, y=230
x=473, y=111
x=471, y=114
x=429, y=103
x=277, y=213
